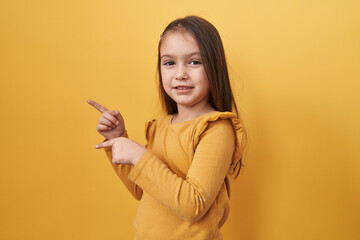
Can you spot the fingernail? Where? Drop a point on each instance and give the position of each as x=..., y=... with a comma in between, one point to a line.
x=96, y=146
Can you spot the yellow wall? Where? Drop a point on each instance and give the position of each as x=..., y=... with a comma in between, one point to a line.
x=295, y=67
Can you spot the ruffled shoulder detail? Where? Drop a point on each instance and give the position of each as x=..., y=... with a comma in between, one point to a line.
x=150, y=128
x=239, y=132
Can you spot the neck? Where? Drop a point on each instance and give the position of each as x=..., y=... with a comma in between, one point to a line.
x=188, y=113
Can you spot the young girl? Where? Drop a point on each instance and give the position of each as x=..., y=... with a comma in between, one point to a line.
x=182, y=176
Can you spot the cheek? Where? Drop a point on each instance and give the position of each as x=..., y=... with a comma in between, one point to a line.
x=204, y=81
x=163, y=74
x=165, y=83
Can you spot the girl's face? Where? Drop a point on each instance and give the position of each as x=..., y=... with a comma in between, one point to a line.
x=183, y=74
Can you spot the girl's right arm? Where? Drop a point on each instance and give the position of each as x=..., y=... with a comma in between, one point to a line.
x=191, y=197
x=111, y=125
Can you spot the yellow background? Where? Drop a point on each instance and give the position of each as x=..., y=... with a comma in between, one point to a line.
x=295, y=71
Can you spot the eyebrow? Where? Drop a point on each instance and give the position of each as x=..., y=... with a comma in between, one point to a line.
x=189, y=55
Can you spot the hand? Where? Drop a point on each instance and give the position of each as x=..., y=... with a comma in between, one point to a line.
x=124, y=150
x=111, y=123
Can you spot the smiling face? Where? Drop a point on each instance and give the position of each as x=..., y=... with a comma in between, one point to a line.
x=182, y=71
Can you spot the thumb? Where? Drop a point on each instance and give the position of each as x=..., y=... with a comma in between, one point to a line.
x=105, y=144
x=116, y=114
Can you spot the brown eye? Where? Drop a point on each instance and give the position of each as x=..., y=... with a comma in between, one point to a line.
x=169, y=63
x=195, y=62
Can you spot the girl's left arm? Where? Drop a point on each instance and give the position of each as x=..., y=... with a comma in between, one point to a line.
x=123, y=171
x=190, y=198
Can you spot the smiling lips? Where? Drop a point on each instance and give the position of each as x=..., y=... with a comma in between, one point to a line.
x=183, y=89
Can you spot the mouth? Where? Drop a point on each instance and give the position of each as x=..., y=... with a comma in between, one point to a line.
x=183, y=87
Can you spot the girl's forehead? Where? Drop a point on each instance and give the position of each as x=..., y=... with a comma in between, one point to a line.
x=178, y=39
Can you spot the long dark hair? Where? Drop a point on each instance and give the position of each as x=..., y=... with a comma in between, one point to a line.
x=213, y=56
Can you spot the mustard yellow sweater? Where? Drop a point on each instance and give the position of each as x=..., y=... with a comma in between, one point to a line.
x=183, y=180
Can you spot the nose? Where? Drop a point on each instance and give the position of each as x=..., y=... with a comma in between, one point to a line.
x=181, y=72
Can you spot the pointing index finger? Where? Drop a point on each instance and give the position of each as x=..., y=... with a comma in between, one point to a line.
x=97, y=106
x=105, y=144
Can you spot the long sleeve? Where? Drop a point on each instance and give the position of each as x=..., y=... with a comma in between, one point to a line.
x=190, y=198
x=123, y=171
